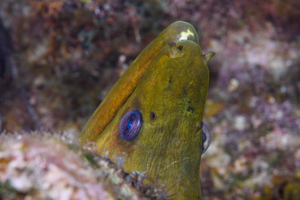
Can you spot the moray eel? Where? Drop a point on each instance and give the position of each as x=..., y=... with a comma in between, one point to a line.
x=153, y=115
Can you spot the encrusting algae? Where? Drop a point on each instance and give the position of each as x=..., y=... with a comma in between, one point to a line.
x=43, y=165
x=73, y=52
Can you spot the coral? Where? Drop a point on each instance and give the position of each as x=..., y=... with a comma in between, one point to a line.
x=64, y=56
x=41, y=165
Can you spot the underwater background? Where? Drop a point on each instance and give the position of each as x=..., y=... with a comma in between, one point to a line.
x=59, y=59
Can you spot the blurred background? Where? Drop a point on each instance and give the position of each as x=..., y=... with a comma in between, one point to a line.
x=59, y=58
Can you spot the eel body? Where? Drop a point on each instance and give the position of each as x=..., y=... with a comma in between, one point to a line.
x=166, y=87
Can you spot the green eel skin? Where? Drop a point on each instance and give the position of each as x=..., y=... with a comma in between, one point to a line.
x=169, y=79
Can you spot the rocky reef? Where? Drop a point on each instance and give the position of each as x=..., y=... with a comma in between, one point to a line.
x=59, y=58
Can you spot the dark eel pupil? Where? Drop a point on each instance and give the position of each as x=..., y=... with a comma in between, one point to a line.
x=130, y=125
x=206, y=138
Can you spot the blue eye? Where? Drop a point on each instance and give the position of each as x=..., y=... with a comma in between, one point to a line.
x=206, y=138
x=130, y=125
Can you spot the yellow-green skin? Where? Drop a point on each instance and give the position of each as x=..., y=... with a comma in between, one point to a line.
x=173, y=86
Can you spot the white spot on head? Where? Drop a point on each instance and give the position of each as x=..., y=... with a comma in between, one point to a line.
x=185, y=35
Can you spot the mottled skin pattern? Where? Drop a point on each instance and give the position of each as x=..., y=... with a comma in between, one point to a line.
x=173, y=86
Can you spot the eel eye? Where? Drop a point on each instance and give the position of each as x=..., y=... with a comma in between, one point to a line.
x=206, y=138
x=130, y=125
